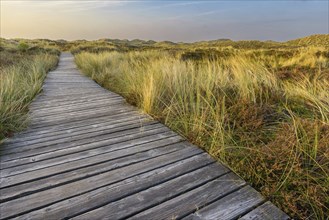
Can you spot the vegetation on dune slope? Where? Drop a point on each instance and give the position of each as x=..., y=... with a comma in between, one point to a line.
x=265, y=113
x=103, y=45
x=313, y=40
x=23, y=69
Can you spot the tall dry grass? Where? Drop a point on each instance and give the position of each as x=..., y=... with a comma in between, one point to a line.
x=19, y=84
x=271, y=130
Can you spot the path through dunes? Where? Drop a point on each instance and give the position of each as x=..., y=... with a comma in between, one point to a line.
x=89, y=155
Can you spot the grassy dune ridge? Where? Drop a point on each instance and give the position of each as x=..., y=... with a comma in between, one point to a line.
x=22, y=73
x=263, y=112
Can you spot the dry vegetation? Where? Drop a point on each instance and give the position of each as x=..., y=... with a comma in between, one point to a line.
x=23, y=68
x=261, y=109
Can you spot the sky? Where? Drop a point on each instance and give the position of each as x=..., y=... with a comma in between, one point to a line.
x=177, y=21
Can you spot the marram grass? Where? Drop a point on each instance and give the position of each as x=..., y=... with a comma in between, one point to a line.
x=19, y=84
x=266, y=116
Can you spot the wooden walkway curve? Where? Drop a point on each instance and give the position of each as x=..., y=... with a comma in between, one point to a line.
x=89, y=155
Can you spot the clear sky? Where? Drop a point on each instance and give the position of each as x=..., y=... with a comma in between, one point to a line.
x=164, y=20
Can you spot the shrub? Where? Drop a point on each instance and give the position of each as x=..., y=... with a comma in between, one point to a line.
x=22, y=46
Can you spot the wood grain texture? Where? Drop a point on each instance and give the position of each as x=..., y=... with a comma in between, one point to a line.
x=87, y=154
x=121, y=125
x=267, y=211
x=76, y=170
x=230, y=206
x=73, y=141
x=193, y=200
x=153, y=196
x=73, y=128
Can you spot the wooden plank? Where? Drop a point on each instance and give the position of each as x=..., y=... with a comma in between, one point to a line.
x=75, y=109
x=66, y=79
x=50, y=93
x=54, y=102
x=231, y=206
x=48, y=105
x=22, y=185
x=86, y=126
x=82, y=112
x=98, y=125
x=71, y=78
x=78, y=117
x=77, y=83
x=267, y=211
x=71, y=83
x=49, y=97
x=74, y=103
x=69, y=86
x=118, y=190
x=101, y=146
x=41, y=101
x=70, y=125
x=104, y=126
x=30, y=134
x=155, y=195
x=100, y=153
x=74, y=90
x=80, y=144
x=98, y=185
x=86, y=151
x=28, y=146
x=68, y=83
x=191, y=201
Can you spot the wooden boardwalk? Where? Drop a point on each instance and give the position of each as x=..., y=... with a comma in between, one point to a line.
x=89, y=155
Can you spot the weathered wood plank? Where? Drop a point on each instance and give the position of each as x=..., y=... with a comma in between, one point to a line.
x=267, y=211
x=118, y=190
x=77, y=154
x=87, y=121
x=50, y=96
x=26, y=147
x=75, y=110
x=28, y=183
x=74, y=114
x=44, y=100
x=100, y=184
x=69, y=84
x=55, y=105
x=193, y=200
x=104, y=126
x=41, y=102
x=84, y=125
x=72, y=125
x=143, y=200
x=78, y=117
x=76, y=106
x=91, y=143
x=86, y=161
x=231, y=206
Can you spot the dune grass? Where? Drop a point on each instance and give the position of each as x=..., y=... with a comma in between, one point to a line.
x=263, y=113
x=21, y=80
